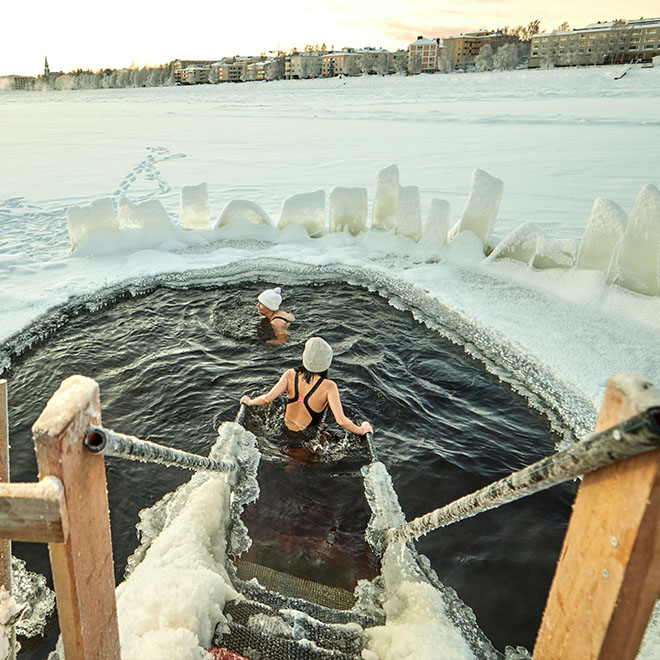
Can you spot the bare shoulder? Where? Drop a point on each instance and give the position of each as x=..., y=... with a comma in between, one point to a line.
x=283, y=318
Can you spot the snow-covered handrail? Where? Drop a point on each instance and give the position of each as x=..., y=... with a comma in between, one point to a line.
x=370, y=446
x=633, y=436
x=99, y=440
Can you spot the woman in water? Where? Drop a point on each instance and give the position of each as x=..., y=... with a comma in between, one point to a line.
x=309, y=392
x=278, y=320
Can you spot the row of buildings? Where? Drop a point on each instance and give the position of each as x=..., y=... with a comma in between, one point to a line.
x=611, y=42
x=423, y=55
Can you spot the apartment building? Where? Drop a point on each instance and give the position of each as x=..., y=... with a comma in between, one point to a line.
x=613, y=42
x=461, y=49
x=179, y=66
x=256, y=71
x=353, y=62
x=303, y=65
x=16, y=82
x=426, y=52
x=233, y=69
x=192, y=75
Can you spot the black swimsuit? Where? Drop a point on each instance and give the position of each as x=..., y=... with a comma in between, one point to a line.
x=316, y=416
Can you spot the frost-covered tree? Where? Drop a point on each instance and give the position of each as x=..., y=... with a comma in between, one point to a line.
x=444, y=64
x=367, y=63
x=414, y=65
x=275, y=69
x=506, y=57
x=400, y=62
x=484, y=60
x=351, y=66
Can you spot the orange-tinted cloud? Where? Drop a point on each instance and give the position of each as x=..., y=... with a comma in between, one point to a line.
x=409, y=32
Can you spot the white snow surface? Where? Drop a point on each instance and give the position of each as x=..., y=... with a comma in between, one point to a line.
x=557, y=139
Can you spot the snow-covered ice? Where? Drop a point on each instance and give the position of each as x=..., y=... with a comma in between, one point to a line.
x=557, y=140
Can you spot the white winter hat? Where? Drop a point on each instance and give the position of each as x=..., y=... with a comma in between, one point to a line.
x=317, y=355
x=271, y=298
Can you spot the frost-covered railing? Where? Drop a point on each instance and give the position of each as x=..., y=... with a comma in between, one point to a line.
x=99, y=440
x=608, y=576
x=630, y=438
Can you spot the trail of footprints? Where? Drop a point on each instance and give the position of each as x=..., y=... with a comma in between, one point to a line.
x=148, y=170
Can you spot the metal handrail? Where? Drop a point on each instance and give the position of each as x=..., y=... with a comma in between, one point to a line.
x=633, y=436
x=99, y=440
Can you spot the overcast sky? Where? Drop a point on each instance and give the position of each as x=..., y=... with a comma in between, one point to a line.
x=92, y=35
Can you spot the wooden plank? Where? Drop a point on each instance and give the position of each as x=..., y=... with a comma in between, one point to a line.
x=83, y=571
x=608, y=576
x=5, y=543
x=33, y=512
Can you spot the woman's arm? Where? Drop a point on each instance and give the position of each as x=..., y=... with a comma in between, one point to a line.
x=263, y=399
x=337, y=410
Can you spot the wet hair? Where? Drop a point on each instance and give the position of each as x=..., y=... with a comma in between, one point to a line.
x=307, y=375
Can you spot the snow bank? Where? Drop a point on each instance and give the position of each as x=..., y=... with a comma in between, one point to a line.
x=603, y=233
x=532, y=246
x=238, y=210
x=306, y=210
x=150, y=216
x=85, y=221
x=195, y=210
x=386, y=198
x=638, y=266
x=348, y=209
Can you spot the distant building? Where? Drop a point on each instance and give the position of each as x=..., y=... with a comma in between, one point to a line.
x=461, y=49
x=178, y=66
x=192, y=75
x=614, y=42
x=427, y=52
x=46, y=68
x=303, y=65
x=230, y=69
x=353, y=62
x=16, y=82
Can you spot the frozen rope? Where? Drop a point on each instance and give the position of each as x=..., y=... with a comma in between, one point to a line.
x=633, y=436
x=99, y=440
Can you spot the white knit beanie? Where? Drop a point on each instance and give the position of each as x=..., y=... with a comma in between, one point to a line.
x=317, y=355
x=271, y=298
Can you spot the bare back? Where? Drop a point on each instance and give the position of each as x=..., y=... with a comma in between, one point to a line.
x=297, y=416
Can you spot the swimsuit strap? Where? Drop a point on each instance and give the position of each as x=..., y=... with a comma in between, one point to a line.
x=315, y=415
x=295, y=390
x=281, y=318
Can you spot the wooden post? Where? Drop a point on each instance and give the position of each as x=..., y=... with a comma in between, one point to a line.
x=82, y=566
x=608, y=576
x=5, y=543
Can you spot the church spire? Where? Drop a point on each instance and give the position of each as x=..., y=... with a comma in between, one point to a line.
x=46, y=68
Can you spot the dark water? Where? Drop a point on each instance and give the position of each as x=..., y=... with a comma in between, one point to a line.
x=171, y=367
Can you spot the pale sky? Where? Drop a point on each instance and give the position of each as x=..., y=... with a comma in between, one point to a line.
x=93, y=35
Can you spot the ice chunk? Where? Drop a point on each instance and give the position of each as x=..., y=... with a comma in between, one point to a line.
x=638, y=265
x=386, y=198
x=85, y=220
x=348, y=209
x=482, y=206
x=409, y=221
x=242, y=209
x=150, y=215
x=195, y=212
x=601, y=236
x=437, y=223
x=531, y=245
x=306, y=209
